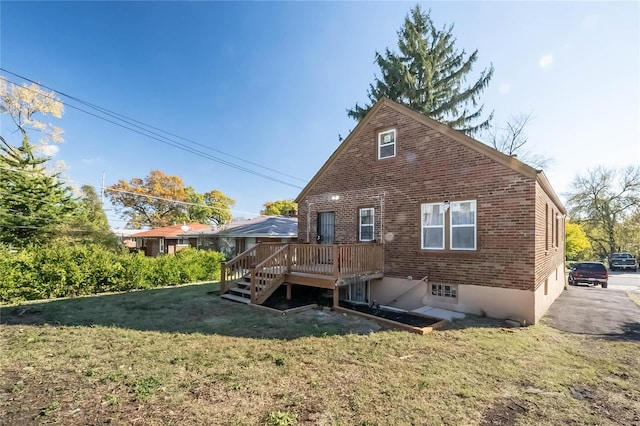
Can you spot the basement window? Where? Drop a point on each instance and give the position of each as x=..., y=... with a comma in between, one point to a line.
x=445, y=290
x=387, y=144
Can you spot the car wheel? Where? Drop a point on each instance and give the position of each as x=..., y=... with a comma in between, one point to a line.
x=604, y=285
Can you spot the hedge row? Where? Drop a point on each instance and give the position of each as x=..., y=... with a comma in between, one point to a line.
x=73, y=270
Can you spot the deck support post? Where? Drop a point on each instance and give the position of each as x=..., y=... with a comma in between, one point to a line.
x=288, y=291
x=336, y=296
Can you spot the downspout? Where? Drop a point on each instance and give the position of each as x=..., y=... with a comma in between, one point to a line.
x=308, y=220
x=382, y=217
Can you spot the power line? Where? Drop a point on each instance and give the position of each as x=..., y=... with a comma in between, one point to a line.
x=154, y=135
x=186, y=203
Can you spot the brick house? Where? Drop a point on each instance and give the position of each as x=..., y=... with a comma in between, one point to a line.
x=167, y=239
x=233, y=238
x=463, y=226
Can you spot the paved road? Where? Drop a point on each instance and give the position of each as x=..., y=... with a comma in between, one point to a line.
x=592, y=310
x=626, y=280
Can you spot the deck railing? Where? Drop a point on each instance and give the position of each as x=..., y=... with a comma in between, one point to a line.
x=358, y=258
x=266, y=263
x=314, y=259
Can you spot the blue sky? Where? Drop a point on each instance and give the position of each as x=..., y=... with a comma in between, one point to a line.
x=270, y=82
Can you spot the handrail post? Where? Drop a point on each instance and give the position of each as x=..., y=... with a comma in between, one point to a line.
x=253, y=285
x=223, y=277
x=288, y=258
x=336, y=260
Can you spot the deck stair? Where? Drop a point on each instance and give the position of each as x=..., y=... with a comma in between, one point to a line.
x=240, y=291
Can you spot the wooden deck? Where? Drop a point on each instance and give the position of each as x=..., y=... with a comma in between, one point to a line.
x=268, y=265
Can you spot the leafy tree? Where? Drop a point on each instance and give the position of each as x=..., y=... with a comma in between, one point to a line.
x=212, y=206
x=89, y=223
x=33, y=201
x=428, y=74
x=279, y=208
x=511, y=140
x=629, y=235
x=602, y=200
x=577, y=244
x=161, y=200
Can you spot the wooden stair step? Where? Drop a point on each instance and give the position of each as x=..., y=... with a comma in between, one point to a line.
x=240, y=290
x=235, y=298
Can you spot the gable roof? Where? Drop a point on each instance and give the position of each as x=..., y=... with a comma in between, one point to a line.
x=261, y=226
x=172, y=231
x=506, y=160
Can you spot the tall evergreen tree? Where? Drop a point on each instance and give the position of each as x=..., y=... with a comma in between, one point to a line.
x=429, y=75
x=33, y=202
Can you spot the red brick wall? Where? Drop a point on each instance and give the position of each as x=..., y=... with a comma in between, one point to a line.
x=430, y=167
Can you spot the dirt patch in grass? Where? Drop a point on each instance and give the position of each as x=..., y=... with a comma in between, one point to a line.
x=278, y=300
x=503, y=413
x=401, y=317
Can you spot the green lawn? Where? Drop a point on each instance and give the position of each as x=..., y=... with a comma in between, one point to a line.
x=183, y=356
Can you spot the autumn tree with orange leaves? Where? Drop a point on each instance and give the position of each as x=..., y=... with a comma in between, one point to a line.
x=160, y=200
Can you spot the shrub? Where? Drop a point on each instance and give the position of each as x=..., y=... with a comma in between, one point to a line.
x=62, y=270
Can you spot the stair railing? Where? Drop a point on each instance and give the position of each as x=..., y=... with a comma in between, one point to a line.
x=268, y=275
x=238, y=267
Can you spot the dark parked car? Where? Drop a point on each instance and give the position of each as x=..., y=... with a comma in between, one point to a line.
x=589, y=273
x=623, y=261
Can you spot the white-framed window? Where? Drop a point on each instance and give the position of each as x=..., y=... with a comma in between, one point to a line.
x=366, y=224
x=463, y=225
x=444, y=290
x=161, y=245
x=432, y=226
x=387, y=144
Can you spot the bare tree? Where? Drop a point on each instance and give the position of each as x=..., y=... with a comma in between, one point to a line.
x=603, y=199
x=511, y=140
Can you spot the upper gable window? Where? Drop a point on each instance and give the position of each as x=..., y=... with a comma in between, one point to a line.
x=387, y=144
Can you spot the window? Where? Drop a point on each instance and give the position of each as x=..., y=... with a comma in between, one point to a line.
x=357, y=292
x=433, y=226
x=161, y=245
x=387, y=144
x=443, y=290
x=366, y=224
x=546, y=227
x=463, y=225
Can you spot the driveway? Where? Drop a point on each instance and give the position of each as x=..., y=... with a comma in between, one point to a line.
x=595, y=311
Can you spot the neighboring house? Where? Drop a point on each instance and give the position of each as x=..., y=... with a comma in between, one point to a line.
x=463, y=226
x=235, y=237
x=124, y=236
x=167, y=239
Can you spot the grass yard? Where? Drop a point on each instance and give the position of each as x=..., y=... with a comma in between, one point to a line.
x=183, y=356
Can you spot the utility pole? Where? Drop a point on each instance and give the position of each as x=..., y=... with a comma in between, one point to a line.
x=102, y=190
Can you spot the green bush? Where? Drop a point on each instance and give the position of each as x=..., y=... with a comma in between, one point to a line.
x=62, y=270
